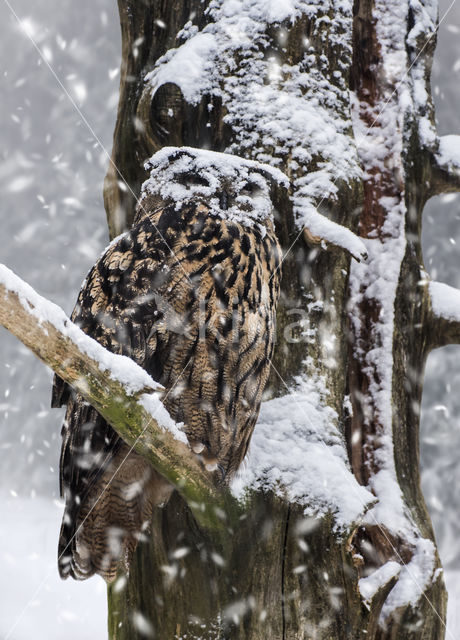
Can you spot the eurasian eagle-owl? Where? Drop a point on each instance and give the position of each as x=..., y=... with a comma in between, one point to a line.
x=190, y=294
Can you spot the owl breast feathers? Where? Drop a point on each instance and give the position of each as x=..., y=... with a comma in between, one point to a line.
x=190, y=294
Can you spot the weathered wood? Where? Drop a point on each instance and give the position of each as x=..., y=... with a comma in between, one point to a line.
x=443, y=331
x=290, y=584
x=443, y=314
x=445, y=177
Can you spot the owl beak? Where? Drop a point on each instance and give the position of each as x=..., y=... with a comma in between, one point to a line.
x=223, y=201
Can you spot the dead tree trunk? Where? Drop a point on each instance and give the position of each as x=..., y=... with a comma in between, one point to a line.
x=338, y=96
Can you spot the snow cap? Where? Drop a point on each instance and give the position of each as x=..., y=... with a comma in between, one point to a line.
x=232, y=187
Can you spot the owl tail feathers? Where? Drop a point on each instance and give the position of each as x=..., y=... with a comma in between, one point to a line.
x=106, y=552
x=117, y=513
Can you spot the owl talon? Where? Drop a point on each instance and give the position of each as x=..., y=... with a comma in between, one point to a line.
x=208, y=459
x=210, y=464
x=197, y=446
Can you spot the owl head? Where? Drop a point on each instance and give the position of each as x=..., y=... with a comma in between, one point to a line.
x=231, y=187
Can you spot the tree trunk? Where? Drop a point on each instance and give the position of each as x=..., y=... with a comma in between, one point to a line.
x=365, y=331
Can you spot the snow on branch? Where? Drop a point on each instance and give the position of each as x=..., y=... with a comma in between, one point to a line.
x=446, y=165
x=445, y=301
x=445, y=314
x=384, y=578
x=449, y=152
x=318, y=228
x=121, y=391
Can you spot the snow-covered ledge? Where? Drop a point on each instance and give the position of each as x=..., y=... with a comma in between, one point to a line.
x=446, y=165
x=123, y=393
x=445, y=314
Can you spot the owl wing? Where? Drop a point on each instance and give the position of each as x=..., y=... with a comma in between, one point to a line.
x=116, y=306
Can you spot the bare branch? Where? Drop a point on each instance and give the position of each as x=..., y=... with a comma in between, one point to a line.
x=445, y=315
x=123, y=393
x=375, y=589
x=445, y=165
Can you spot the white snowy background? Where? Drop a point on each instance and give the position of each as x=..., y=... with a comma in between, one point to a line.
x=53, y=228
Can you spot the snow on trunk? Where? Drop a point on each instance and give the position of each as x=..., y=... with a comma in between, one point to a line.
x=282, y=113
x=380, y=119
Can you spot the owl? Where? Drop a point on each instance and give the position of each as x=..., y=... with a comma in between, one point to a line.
x=190, y=294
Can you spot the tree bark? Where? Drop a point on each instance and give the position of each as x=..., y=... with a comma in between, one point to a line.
x=284, y=575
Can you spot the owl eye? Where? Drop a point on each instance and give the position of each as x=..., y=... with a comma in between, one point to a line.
x=250, y=189
x=193, y=179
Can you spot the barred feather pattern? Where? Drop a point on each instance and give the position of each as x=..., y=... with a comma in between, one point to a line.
x=190, y=297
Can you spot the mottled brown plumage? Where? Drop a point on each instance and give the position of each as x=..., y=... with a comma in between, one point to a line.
x=189, y=295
